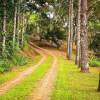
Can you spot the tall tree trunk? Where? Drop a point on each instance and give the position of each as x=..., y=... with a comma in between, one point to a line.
x=23, y=30
x=84, y=37
x=14, y=31
x=68, y=36
x=18, y=23
x=4, y=26
x=78, y=34
x=99, y=84
x=70, y=32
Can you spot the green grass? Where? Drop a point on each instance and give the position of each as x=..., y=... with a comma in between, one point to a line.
x=22, y=90
x=94, y=62
x=71, y=84
x=11, y=74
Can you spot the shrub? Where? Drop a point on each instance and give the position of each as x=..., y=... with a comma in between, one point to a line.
x=56, y=36
x=94, y=62
x=4, y=65
x=19, y=60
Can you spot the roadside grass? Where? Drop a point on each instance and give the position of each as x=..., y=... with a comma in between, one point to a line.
x=23, y=89
x=4, y=77
x=71, y=84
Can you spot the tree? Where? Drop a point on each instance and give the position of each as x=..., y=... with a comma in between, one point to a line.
x=84, y=37
x=18, y=22
x=70, y=30
x=23, y=29
x=4, y=25
x=78, y=34
x=99, y=84
x=15, y=24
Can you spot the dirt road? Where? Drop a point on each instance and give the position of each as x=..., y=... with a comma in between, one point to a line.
x=7, y=85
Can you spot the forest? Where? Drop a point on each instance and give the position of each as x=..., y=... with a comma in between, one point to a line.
x=49, y=50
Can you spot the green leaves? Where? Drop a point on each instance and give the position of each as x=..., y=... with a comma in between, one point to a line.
x=3, y=33
x=4, y=65
x=20, y=60
x=94, y=62
x=33, y=18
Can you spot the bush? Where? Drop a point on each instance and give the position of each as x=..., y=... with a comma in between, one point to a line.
x=4, y=66
x=26, y=45
x=56, y=36
x=94, y=62
x=19, y=60
x=95, y=44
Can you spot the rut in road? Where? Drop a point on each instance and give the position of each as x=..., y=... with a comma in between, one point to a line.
x=44, y=87
x=7, y=85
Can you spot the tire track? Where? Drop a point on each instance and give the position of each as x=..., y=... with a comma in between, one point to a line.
x=7, y=85
x=44, y=87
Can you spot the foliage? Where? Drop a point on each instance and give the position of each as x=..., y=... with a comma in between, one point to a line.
x=20, y=91
x=10, y=50
x=94, y=62
x=55, y=36
x=19, y=60
x=4, y=77
x=34, y=17
x=94, y=37
x=95, y=45
x=32, y=22
x=57, y=33
x=26, y=45
x=4, y=65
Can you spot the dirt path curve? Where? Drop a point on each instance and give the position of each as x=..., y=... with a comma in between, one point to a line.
x=7, y=85
x=44, y=87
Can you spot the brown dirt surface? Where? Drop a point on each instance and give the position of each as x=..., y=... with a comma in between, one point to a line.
x=7, y=85
x=45, y=85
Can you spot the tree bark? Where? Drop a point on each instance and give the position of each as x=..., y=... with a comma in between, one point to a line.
x=68, y=36
x=78, y=34
x=99, y=84
x=70, y=30
x=18, y=22
x=84, y=37
x=23, y=30
x=15, y=24
x=4, y=26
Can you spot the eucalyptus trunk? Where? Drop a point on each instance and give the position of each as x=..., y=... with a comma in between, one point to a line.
x=23, y=31
x=4, y=26
x=84, y=37
x=18, y=22
x=99, y=84
x=68, y=36
x=78, y=34
x=70, y=30
x=15, y=24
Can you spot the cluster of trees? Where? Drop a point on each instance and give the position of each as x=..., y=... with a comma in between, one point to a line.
x=52, y=19
x=82, y=36
x=13, y=23
x=78, y=19
x=84, y=13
